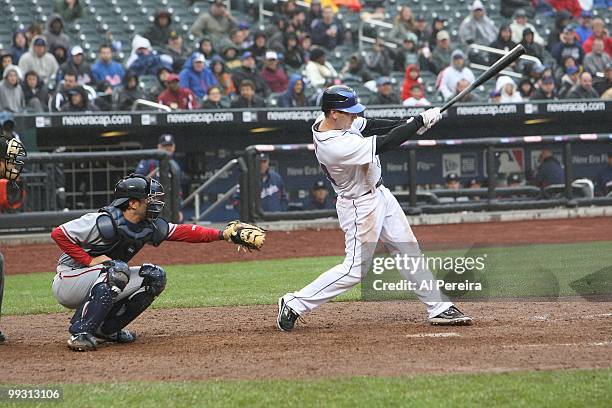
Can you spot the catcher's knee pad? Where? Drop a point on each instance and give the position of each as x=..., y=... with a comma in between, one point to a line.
x=126, y=310
x=118, y=273
x=154, y=278
x=92, y=311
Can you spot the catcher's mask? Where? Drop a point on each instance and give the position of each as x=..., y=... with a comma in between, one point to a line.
x=13, y=158
x=140, y=187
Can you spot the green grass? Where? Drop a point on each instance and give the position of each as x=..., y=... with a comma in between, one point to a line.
x=536, y=270
x=510, y=271
x=518, y=389
x=237, y=283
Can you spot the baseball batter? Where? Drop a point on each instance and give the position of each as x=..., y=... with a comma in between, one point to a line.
x=347, y=147
x=93, y=276
x=11, y=154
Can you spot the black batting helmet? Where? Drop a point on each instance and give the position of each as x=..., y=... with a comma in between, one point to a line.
x=140, y=187
x=341, y=98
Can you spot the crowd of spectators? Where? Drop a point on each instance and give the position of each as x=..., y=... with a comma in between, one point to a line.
x=287, y=62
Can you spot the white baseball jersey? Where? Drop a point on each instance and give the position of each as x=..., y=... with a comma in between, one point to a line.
x=347, y=158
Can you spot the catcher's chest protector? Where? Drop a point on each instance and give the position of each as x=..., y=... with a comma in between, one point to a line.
x=123, y=240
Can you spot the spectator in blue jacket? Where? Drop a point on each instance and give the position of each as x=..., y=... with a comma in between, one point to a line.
x=151, y=166
x=196, y=76
x=328, y=31
x=549, y=171
x=320, y=199
x=106, y=69
x=273, y=196
x=568, y=47
x=144, y=61
x=584, y=30
x=20, y=45
x=295, y=96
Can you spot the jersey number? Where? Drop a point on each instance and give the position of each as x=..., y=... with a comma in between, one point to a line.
x=329, y=177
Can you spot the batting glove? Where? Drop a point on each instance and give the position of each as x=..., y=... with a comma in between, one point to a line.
x=430, y=118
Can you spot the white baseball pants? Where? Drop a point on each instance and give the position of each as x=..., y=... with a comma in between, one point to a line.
x=72, y=286
x=364, y=221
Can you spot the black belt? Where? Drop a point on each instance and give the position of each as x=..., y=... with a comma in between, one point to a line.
x=378, y=184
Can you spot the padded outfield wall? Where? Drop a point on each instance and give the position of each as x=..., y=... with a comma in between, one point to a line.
x=208, y=139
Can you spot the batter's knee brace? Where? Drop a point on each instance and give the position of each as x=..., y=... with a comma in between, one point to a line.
x=154, y=278
x=118, y=273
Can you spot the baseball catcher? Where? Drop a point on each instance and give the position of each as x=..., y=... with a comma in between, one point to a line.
x=12, y=153
x=93, y=276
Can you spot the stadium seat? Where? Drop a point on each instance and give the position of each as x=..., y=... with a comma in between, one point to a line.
x=148, y=81
x=580, y=190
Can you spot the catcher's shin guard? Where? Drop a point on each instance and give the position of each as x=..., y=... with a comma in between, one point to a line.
x=126, y=311
x=92, y=311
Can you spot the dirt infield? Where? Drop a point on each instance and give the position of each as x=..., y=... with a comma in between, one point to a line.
x=43, y=258
x=339, y=339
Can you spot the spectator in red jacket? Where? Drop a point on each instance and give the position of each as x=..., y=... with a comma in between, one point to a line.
x=412, y=77
x=275, y=76
x=570, y=5
x=599, y=31
x=176, y=97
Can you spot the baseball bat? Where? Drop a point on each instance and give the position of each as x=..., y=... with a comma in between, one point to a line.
x=493, y=70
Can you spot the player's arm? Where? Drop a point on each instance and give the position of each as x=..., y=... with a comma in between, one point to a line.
x=70, y=246
x=193, y=233
x=380, y=126
x=245, y=235
x=73, y=235
x=415, y=125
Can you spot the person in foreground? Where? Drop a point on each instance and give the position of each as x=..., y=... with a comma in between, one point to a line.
x=11, y=154
x=93, y=276
x=347, y=147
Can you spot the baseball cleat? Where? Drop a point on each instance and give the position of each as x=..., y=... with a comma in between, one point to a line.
x=82, y=342
x=2, y=338
x=122, y=336
x=451, y=317
x=286, y=316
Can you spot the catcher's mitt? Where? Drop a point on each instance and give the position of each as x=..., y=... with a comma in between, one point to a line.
x=244, y=235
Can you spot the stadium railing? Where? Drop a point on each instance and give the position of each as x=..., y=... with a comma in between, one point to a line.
x=492, y=196
x=48, y=203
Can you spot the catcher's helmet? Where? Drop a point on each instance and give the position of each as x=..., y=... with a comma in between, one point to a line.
x=139, y=187
x=341, y=98
x=12, y=152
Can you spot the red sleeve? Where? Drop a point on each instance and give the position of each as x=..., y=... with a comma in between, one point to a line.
x=193, y=233
x=70, y=248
